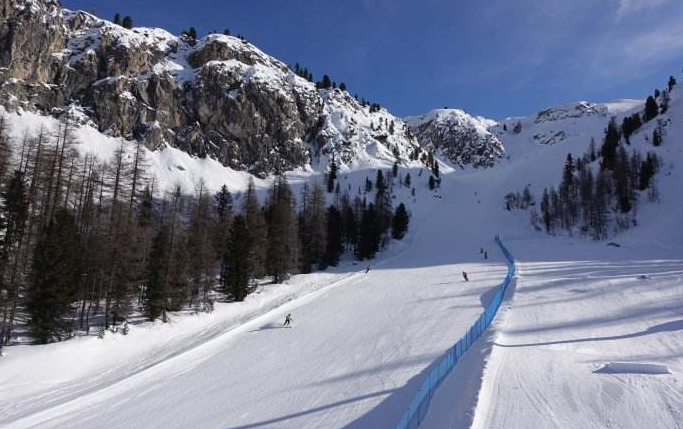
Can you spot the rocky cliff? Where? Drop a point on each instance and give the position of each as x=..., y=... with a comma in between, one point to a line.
x=458, y=136
x=218, y=96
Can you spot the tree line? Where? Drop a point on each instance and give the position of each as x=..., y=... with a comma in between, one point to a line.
x=86, y=244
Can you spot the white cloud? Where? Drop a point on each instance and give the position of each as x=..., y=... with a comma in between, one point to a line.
x=633, y=51
x=628, y=7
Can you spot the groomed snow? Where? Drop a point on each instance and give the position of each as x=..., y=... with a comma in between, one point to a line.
x=592, y=335
x=352, y=359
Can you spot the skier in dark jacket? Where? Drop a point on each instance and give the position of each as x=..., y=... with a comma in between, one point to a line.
x=464, y=275
x=367, y=269
x=288, y=320
x=486, y=254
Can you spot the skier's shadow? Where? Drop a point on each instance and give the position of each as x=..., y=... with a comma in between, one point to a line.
x=269, y=326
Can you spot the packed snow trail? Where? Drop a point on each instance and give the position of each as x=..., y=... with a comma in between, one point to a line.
x=572, y=320
x=352, y=358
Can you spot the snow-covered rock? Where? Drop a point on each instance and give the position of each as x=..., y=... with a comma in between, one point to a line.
x=458, y=136
x=218, y=96
x=554, y=125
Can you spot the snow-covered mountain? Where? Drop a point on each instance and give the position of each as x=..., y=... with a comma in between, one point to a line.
x=458, y=136
x=363, y=339
x=218, y=96
x=579, y=120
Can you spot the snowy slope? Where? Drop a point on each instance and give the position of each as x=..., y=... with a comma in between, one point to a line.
x=360, y=346
x=352, y=359
x=361, y=343
x=592, y=335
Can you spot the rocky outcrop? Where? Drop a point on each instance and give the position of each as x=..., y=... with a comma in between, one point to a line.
x=577, y=110
x=463, y=139
x=218, y=96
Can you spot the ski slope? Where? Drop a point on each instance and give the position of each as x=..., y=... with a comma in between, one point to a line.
x=352, y=359
x=589, y=335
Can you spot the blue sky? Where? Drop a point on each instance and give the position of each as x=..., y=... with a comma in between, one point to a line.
x=494, y=58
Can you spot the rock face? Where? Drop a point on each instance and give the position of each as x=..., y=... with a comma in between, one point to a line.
x=577, y=110
x=218, y=96
x=463, y=139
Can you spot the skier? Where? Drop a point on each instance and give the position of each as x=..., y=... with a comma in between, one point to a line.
x=481, y=250
x=464, y=275
x=288, y=321
x=486, y=254
x=367, y=269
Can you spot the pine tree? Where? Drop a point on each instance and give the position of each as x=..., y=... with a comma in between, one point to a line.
x=237, y=260
x=432, y=182
x=201, y=247
x=379, y=182
x=54, y=276
x=334, y=241
x=223, y=201
x=282, y=237
x=568, y=195
x=154, y=302
x=400, y=222
x=592, y=154
x=527, y=198
x=331, y=177
x=13, y=218
x=622, y=181
x=369, y=234
x=312, y=230
x=546, y=212
x=586, y=193
x=326, y=82
x=406, y=180
x=257, y=227
x=117, y=19
x=609, y=145
x=651, y=109
x=647, y=170
x=342, y=86
x=127, y=22
x=394, y=169
x=599, y=207
x=350, y=226
x=672, y=82
x=368, y=185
